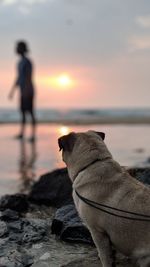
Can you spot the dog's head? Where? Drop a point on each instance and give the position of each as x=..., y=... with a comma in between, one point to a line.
x=79, y=147
x=66, y=142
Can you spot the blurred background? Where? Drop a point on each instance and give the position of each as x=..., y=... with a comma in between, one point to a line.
x=86, y=53
x=91, y=71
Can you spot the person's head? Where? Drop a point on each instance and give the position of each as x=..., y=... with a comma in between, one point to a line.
x=21, y=48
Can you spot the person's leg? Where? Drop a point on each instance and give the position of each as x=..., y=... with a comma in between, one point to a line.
x=23, y=123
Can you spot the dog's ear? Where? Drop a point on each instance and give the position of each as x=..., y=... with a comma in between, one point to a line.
x=67, y=142
x=101, y=134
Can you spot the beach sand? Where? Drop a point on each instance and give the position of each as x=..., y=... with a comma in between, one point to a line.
x=23, y=162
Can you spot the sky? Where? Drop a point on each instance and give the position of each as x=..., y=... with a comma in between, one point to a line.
x=100, y=47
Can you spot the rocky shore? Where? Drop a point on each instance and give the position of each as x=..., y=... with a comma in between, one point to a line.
x=42, y=229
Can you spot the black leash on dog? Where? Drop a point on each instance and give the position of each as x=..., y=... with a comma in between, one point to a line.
x=101, y=207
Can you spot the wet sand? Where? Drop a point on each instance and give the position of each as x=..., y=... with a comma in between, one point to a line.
x=22, y=162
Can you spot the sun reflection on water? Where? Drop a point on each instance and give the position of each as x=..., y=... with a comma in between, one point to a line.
x=64, y=130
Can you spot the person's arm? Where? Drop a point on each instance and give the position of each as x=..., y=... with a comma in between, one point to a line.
x=11, y=93
x=16, y=83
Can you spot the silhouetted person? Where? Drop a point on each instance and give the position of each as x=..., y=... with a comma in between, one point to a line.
x=24, y=82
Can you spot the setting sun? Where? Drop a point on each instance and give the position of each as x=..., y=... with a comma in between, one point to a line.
x=62, y=81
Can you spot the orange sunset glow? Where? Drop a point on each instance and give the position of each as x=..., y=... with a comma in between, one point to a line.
x=61, y=82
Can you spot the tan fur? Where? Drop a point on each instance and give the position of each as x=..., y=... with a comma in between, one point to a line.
x=106, y=182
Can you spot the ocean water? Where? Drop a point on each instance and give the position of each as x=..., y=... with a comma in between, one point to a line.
x=21, y=163
x=82, y=116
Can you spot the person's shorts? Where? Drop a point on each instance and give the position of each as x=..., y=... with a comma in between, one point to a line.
x=26, y=103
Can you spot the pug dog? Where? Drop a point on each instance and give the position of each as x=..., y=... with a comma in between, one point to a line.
x=114, y=206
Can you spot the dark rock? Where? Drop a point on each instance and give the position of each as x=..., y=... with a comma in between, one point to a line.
x=53, y=189
x=94, y=261
x=41, y=264
x=25, y=238
x=16, y=258
x=142, y=174
x=3, y=229
x=69, y=227
x=16, y=226
x=9, y=215
x=16, y=202
x=4, y=246
x=84, y=263
x=28, y=231
x=24, y=232
x=35, y=230
x=17, y=236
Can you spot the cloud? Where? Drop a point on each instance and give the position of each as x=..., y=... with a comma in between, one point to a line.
x=143, y=21
x=22, y=2
x=24, y=6
x=139, y=43
x=8, y=2
x=25, y=10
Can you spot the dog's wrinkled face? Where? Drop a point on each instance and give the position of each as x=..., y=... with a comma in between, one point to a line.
x=67, y=142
